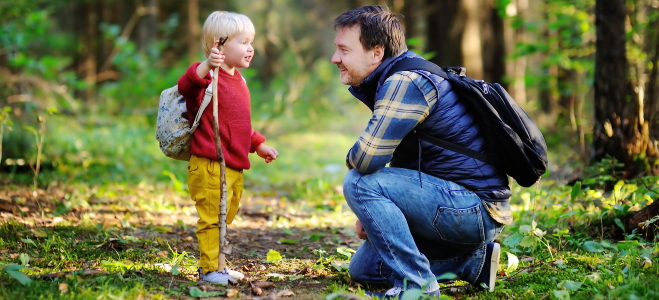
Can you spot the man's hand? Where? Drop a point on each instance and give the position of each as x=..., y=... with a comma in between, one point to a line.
x=267, y=153
x=360, y=230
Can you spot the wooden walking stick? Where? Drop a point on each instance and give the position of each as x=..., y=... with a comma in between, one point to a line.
x=224, y=244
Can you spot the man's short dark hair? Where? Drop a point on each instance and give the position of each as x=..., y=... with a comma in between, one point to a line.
x=378, y=26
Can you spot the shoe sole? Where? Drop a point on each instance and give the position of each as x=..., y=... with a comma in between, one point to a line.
x=494, y=265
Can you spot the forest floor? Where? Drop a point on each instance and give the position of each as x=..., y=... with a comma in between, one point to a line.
x=76, y=241
x=117, y=228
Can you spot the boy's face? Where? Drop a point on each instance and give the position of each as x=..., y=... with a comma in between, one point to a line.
x=238, y=51
x=354, y=62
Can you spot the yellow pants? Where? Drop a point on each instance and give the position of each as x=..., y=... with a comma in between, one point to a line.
x=204, y=185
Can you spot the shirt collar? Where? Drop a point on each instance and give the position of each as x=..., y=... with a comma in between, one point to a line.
x=367, y=89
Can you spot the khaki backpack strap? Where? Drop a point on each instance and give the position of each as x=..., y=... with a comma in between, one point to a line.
x=208, y=95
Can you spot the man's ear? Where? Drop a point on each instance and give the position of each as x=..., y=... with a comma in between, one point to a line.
x=378, y=54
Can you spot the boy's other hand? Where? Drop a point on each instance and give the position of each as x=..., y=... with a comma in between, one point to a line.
x=267, y=153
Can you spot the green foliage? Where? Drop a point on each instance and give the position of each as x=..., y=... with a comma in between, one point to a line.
x=5, y=122
x=13, y=270
x=197, y=293
x=586, y=260
x=62, y=248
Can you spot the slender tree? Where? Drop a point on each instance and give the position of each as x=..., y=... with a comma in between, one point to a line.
x=621, y=129
x=611, y=109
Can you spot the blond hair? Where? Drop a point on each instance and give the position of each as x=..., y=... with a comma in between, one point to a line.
x=223, y=24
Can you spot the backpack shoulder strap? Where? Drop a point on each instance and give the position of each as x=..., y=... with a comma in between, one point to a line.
x=409, y=64
x=208, y=96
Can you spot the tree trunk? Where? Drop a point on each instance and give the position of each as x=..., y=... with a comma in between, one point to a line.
x=637, y=220
x=446, y=22
x=89, y=62
x=148, y=25
x=472, y=55
x=272, y=49
x=494, y=52
x=415, y=27
x=609, y=136
x=194, y=30
x=516, y=68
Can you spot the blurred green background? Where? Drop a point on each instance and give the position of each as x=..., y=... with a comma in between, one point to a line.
x=80, y=80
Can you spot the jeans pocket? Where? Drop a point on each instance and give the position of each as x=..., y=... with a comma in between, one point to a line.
x=462, y=226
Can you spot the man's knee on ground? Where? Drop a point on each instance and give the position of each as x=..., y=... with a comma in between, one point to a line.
x=357, y=274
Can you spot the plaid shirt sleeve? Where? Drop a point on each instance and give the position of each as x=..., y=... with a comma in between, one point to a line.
x=402, y=103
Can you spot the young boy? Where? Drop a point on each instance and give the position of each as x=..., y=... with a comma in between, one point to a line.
x=236, y=133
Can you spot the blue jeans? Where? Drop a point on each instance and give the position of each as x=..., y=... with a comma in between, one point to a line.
x=416, y=230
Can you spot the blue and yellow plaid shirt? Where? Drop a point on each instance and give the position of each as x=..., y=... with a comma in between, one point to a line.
x=404, y=101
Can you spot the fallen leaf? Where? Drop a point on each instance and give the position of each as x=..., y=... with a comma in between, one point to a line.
x=288, y=241
x=348, y=297
x=39, y=233
x=161, y=229
x=162, y=253
x=264, y=284
x=197, y=293
x=232, y=292
x=285, y=293
x=165, y=266
x=646, y=262
x=63, y=287
x=187, y=238
x=273, y=256
x=513, y=262
x=527, y=259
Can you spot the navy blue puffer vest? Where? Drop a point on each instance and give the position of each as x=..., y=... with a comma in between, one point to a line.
x=448, y=120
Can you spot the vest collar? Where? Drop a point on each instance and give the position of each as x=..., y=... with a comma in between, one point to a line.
x=366, y=90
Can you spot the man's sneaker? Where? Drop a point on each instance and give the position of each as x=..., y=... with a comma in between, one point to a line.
x=397, y=293
x=222, y=278
x=489, y=272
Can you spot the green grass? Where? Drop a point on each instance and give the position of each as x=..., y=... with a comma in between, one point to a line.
x=569, y=241
x=131, y=263
x=559, y=249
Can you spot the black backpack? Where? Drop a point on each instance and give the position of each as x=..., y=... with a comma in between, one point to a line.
x=515, y=144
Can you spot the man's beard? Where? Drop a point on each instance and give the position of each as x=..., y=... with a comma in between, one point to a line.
x=348, y=79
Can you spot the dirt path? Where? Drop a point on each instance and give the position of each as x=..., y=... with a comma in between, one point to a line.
x=310, y=263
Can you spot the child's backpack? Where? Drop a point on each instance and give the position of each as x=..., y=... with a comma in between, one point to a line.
x=515, y=144
x=173, y=129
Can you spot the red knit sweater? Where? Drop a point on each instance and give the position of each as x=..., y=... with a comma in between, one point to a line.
x=236, y=133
